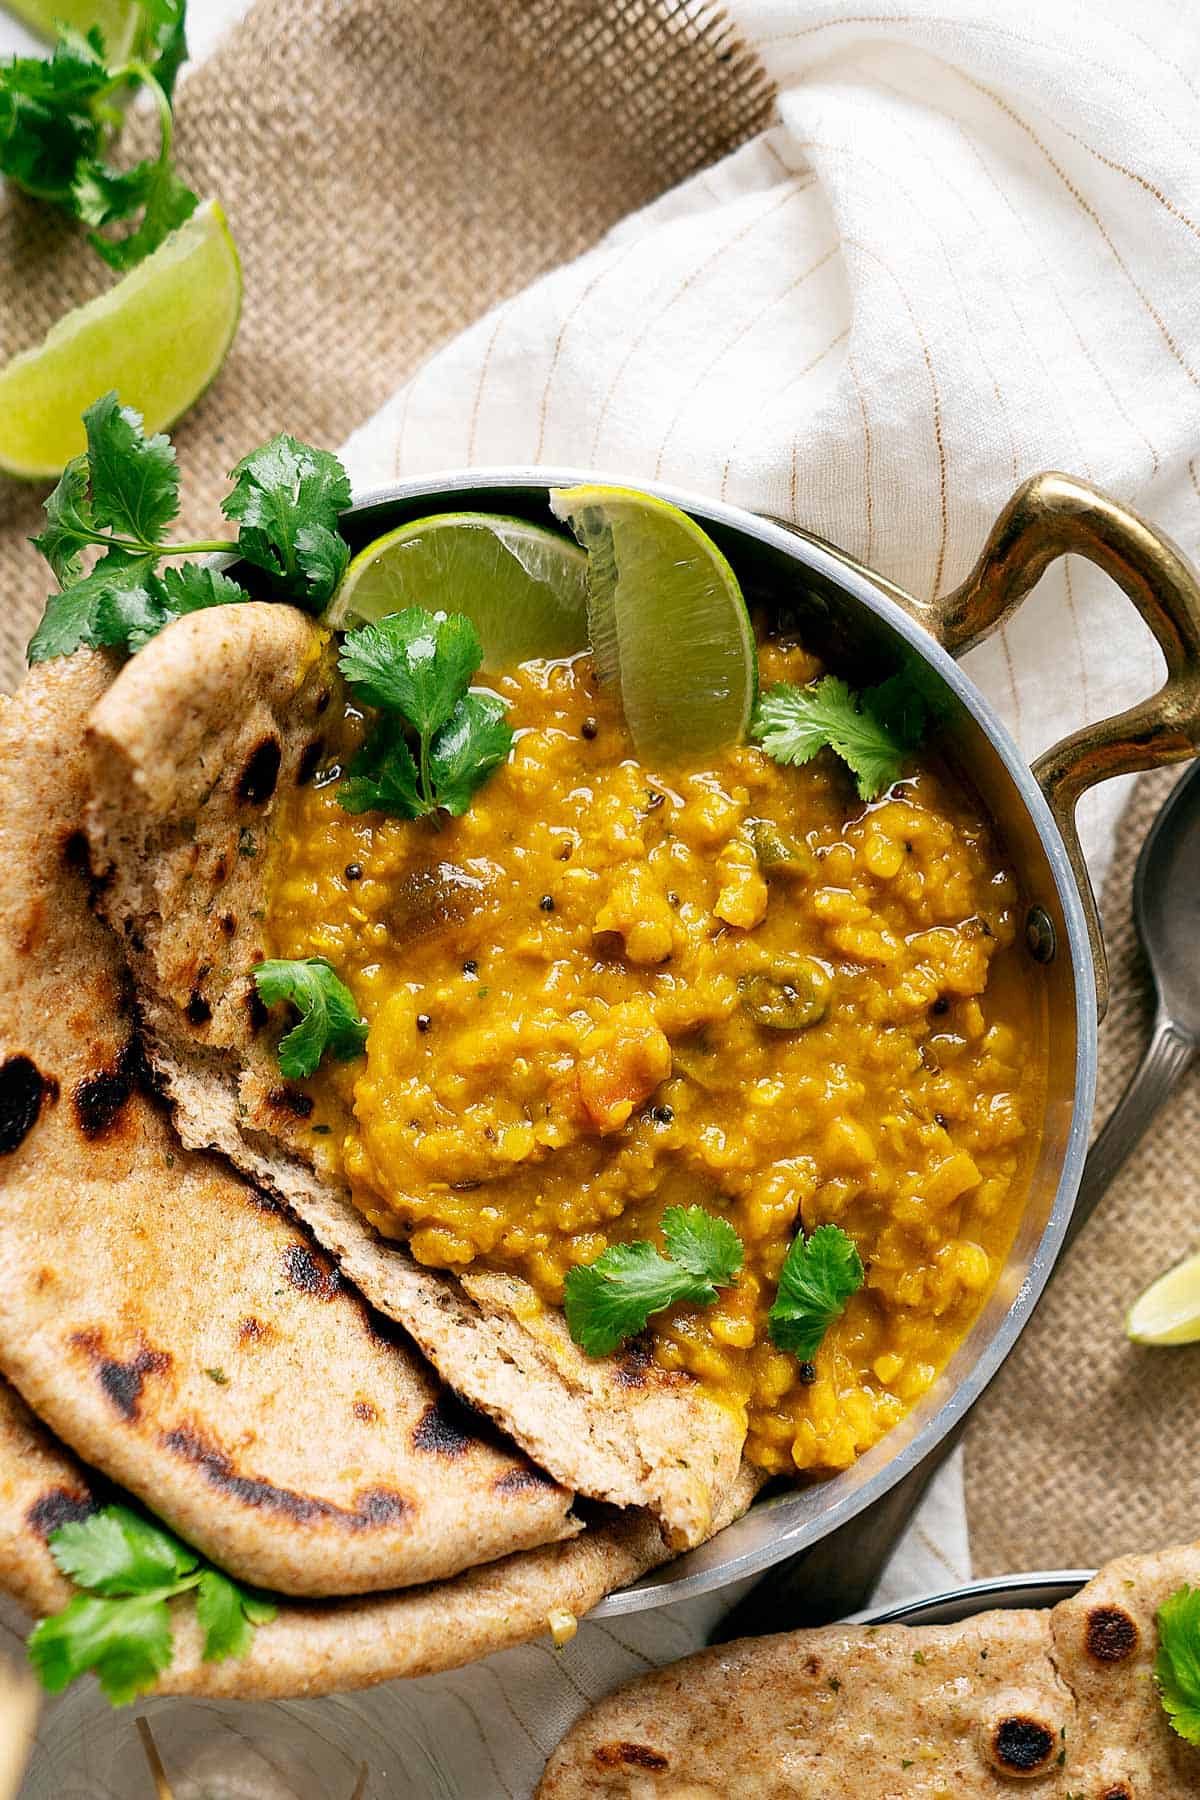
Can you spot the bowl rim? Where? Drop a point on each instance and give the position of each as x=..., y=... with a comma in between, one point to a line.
x=701, y=1570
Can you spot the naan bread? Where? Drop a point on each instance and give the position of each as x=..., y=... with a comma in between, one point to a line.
x=192, y=747
x=339, y=1645
x=166, y=1320
x=1056, y=1704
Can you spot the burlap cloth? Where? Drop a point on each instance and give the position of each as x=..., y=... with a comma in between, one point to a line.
x=1085, y=1446
x=390, y=171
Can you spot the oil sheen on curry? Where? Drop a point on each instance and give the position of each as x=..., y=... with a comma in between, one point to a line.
x=609, y=989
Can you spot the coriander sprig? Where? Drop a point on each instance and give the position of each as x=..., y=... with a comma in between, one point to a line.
x=120, y=496
x=872, y=732
x=329, y=1018
x=611, y=1299
x=819, y=1275
x=59, y=114
x=120, y=1626
x=416, y=667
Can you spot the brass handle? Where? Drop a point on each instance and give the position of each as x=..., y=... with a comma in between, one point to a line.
x=1050, y=516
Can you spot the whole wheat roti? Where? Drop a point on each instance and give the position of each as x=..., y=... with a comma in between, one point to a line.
x=331, y=1647
x=1059, y=1704
x=193, y=746
x=41, y=1488
x=167, y=1321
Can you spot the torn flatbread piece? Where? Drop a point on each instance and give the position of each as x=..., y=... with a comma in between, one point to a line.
x=1059, y=1703
x=167, y=1320
x=192, y=749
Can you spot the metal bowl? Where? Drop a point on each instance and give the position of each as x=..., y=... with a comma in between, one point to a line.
x=857, y=618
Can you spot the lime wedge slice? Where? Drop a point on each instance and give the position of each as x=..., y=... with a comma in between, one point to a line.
x=667, y=621
x=118, y=20
x=1169, y=1310
x=523, y=588
x=158, y=337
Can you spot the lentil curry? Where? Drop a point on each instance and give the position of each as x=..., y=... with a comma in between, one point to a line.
x=606, y=990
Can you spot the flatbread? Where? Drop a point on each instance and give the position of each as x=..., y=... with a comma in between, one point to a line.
x=1060, y=1704
x=338, y=1645
x=192, y=748
x=41, y=1488
x=170, y=1323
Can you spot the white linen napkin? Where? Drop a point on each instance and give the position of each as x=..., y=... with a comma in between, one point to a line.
x=966, y=252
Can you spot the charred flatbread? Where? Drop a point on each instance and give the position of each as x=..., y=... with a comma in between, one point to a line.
x=167, y=1320
x=1060, y=1704
x=192, y=748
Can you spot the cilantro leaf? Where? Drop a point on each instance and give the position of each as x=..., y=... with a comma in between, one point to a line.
x=383, y=776
x=70, y=525
x=48, y=121
x=121, y=1627
x=77, y=617
x=610, y=1300
x=416, y=665
x=134, y=478
x=1177, y=1665
x=871, y=732
x=167, y=203
x=329, y=1019
x=414, y=662
x=116, y=1551
x=322, y=555
x=818, y=1276
x=227, y=1614
x=125, y=1642
x=474, y=740
x=280, y=490
x=162, y=42
x=706, y=1246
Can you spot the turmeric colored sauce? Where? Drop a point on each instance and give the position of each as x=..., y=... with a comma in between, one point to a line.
x=559, y=1047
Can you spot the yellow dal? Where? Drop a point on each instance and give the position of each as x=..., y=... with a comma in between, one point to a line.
x=567, y=1055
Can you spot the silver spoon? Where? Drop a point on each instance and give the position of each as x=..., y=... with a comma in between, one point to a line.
x=838, y=1575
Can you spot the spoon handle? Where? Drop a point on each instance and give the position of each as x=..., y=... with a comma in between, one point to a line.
x=1167, y=1058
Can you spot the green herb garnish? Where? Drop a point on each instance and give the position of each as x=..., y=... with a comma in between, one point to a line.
x=59, y=115
x=818, y=1276
x=120, y=496
x=120, y=1627
x=329, y=1019
x=872, y=732
x=416, y=667
x=611, y=1299
x=1177, y=1665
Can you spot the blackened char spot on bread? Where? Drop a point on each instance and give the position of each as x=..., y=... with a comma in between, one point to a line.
x=1022, y=1745
x=637, y=1756
x=1112, y=1634
x=256, y=783
x=521, y=1481
x=22, y=1089
x=373, y=1508
x=199, y=1012
x=311, y=1272
x=100, y=1098
x=310, y=756
x=58, y=1506
x=290, y=1100
x=122, y=1381
x=632, y=1368
x=443, y=1428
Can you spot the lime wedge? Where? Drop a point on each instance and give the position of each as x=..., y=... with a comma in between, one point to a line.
x=523, y=588
x=667, y=621
x=118, y=20
x=158, y=337
x=1169, y=1310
